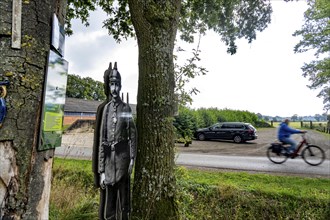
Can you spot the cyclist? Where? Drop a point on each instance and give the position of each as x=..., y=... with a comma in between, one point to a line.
x=284, y=133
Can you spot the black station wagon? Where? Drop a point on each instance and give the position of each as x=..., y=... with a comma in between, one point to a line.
x=236, y=131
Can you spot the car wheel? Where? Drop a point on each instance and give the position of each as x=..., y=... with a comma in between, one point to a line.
x=237, y=139
x=201, y=137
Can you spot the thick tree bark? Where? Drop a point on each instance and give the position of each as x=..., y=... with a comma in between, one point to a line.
x=25, y=188
x=154, y=182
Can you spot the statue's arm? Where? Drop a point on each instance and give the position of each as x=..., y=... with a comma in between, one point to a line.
x=101, y=155
x=96, y=144
x=101, y=161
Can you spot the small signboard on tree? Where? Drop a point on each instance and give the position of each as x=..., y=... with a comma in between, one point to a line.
x=55, y=89
x=54, y=101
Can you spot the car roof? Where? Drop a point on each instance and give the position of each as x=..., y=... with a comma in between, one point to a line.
x=233, y=123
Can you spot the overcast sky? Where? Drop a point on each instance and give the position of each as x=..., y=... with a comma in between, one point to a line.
x=262, y=77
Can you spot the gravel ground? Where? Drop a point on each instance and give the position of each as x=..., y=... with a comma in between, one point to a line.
x=258, y=147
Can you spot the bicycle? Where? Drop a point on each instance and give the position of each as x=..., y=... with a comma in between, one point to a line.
x=311, y=154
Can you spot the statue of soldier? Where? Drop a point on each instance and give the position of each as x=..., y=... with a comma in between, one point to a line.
x=114, y=150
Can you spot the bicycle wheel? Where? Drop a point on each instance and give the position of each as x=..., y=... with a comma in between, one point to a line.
x=313, y=155
x=276, y=157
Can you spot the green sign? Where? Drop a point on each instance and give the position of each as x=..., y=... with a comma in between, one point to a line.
x=53, y=121
x=54, y=101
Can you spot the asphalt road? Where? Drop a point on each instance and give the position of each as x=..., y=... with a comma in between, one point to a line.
x=250, y=163
x=249, y=156
x=246, y=163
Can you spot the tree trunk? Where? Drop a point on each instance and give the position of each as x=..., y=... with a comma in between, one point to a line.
x=154, y=181
x=25, y=173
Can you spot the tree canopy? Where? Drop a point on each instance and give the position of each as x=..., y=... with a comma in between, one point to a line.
x=315, y=35
x=231, y=19
x=84, y=88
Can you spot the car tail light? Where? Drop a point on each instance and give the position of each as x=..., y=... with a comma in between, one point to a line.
x=250, y=131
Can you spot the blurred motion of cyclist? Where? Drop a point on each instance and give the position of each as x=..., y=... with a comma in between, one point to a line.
x=284, y=133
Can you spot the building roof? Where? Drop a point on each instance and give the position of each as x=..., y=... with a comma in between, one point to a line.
x=86, y=106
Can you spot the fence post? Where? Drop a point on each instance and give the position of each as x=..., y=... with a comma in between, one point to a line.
x=301, y=124
x=271, y=123
x=310, y=124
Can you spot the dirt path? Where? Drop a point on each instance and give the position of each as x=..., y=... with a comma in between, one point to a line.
x=84, y=138
x=252, y=148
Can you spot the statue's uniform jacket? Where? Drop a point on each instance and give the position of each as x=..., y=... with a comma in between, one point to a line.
x=117, y=144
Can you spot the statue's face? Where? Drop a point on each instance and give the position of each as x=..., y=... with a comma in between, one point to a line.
x=115, y=88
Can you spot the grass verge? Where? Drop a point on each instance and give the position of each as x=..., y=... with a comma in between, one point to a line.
x=202, y=194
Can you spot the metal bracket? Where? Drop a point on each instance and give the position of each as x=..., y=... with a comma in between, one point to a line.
x=3, y=89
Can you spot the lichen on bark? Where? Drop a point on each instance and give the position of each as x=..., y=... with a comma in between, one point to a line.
x=25, y=69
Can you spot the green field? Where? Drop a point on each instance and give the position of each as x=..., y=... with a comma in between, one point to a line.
x=297, y=124
x=202, y=194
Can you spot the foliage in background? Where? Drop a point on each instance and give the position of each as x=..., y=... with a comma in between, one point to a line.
x=201, y=194
x=184, y=125
x=183, y=74
x=84, y=88
x=315, y=35
x=80, y=10
x=231, y=20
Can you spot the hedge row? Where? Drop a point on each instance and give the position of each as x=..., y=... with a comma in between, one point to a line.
x=189, y=120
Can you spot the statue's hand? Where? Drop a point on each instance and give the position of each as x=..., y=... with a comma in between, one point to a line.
x=130, y=168
x=102, y=179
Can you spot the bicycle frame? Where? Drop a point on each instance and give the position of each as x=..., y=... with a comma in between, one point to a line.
x=301, y=144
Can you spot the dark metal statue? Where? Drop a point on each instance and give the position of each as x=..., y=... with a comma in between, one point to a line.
x=114, y=150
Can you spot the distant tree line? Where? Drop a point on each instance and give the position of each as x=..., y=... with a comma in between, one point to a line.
x=295, y=117
x=84, y=88
x=189, y=120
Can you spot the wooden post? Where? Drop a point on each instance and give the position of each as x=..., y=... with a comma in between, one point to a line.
x=310, y=124
x=16, y=24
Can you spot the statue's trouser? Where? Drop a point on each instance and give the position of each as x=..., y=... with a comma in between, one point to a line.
x=117, y=200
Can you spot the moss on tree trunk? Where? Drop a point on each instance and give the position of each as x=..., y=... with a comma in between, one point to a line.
x=154, y=186
x=28, y=190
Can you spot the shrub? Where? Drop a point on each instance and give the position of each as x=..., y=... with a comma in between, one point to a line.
x=189, y=120
x=262, y=124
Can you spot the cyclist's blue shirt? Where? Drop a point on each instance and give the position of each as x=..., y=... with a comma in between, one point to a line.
x=285, y=131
